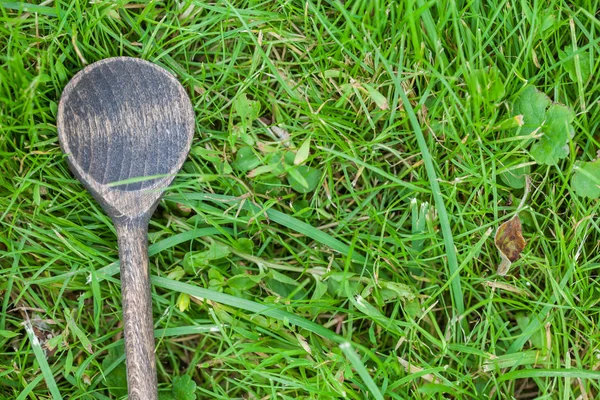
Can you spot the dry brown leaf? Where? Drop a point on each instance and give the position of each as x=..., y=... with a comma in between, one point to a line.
x=507, y=287
x=413, y=369
x=510, y=242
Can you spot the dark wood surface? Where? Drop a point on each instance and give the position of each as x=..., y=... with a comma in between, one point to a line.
x=125, y=119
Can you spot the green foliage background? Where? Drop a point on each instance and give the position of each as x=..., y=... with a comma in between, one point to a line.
x=363, y=265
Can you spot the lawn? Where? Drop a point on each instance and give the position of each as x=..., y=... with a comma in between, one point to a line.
x=332, y=232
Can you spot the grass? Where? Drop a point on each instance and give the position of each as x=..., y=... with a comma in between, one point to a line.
x=378, y=283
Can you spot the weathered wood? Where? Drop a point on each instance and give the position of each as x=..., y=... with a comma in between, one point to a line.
x=125, y=119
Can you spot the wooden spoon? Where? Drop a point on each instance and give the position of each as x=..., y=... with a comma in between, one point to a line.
x=125, y=119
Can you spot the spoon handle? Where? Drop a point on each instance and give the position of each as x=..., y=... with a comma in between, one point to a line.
x=137, y=310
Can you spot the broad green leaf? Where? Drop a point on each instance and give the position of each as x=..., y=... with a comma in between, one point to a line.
x=263, y=169
x=402, y=291
x=183, y=302
x=270, y=185
x=366, y=308
x=282, y=278
x=294, y=174
x=487, y=84
x=247, y=110
x=282, y=289
x=245, y=245
x=243, y=281
x=516, y=173
x=333, y=73
x=116, y=378
x=233, y=136
x=319, y=291
x=532, y=105
x=496, y=89
x=288, y=158
x=176, y=273
x=537, y=338
x=303, y=152
x=431, y=389
x=215, y=251
x=569, y=57
x=213, y=156
x=276, y=162
x=7, y=334
x=200, y=260
x=246, y=159
x=224, y=168
x=37, y=198
x=247, y=138
x=215, y=279
x=184, y=388
x=302, y=208
x=512, y=122
x=377, y=97
x=557, y=131
x=413, y=308
x=312, y=177
x=586, y=180
x=371, y=311
x=283, y=285
x=548, y=22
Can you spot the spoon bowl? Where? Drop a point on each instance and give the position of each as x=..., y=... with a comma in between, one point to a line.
x=123, y=119
x=126, y=126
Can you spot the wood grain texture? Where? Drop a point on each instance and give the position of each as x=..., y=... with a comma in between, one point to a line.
x=137, y=310
x=125, y=119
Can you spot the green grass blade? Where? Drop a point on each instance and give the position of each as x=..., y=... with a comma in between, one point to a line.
x=43, y=362
x=550, y=373
x=270, y=311
x=378, y=171
x=456, y=288
x=537, y=321
x=29, y=388
x=9, y=283
x=275, y=216
x=186, y=330
x=171, y=241
x=247, y=305
x=358, y=365
x=32, y=8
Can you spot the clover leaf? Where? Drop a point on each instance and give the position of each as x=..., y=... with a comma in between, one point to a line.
x=568, y=57
x=557, y=131
x=246, y=159
x=532, y=105
x=586, y=180
x=184, y=388
x=553, y=123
